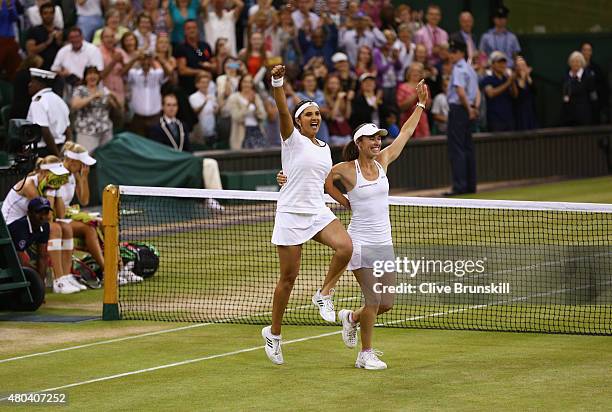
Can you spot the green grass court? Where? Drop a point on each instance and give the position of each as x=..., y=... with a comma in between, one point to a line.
x=140, y=365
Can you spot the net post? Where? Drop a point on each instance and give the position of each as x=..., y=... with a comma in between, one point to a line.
x=110, y=222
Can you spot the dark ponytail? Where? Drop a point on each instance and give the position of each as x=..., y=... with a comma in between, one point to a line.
x=350, y=151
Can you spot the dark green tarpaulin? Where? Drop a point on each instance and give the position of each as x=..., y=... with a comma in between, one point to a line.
x=130, y=159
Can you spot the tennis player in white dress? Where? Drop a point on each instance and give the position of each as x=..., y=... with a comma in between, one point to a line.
x=301, y=212
x=364, y=175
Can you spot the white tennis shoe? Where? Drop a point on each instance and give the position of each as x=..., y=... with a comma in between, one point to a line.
x=64, y=286
x=126, y=275
x=74, y=282
x=272, y=345
x=325, y=305
x=369, y=360
x=349, y=328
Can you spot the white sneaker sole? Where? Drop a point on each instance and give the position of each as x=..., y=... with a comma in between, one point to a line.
x=360, y=365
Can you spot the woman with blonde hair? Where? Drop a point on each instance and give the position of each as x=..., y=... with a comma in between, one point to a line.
x=163, y=54
x=78, y=161
x=46, y=179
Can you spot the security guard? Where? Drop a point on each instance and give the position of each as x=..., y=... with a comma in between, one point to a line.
x=49, y=111
x=464, y=102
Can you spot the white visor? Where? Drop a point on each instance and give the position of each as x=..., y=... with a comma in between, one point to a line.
x=304, y=107
x=83, y=157
x=368, y=129
x=55, y=168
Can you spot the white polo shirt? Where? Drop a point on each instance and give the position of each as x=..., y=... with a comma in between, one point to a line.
x=146, y=90
x=225, y=26
x=76, y=61
x=49, y=110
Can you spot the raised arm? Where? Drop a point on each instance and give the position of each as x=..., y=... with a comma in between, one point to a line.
x=392, y=152
x=286, y=121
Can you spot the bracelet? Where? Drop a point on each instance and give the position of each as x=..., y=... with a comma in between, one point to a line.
x=277, y=82
x=421, y=105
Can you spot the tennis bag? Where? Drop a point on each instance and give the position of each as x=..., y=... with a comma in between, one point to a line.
x=144, y=255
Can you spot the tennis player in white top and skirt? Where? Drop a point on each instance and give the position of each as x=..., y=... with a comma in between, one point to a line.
x=301, y=212
x=364, y=175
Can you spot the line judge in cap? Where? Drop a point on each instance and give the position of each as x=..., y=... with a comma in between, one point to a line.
x=499, y=38
x=464, y=102
x=49, y=111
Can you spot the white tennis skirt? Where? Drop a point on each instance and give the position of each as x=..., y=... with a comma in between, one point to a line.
x=296, y=228
x=371, y=256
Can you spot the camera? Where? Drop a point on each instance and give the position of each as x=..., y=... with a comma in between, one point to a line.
x=23, y=137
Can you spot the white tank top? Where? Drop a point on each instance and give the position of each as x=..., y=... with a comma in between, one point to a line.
x=306, y=166
x=370, y=224
x=15, y=206
x=67, y=191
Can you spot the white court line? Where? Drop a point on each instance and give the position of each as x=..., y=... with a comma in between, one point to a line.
x=505, y=271
x=222, y=355
x=160, y=332
x=103, y=342
x=171, y=365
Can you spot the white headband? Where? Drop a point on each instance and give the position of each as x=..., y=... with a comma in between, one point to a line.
x=49, y=166
x=82, y=157
x=304, y=107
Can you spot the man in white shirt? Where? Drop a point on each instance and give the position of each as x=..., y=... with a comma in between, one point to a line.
x=49, y=111
x=304, y=17
x=204, y=104
x=72, y=59
x=220, y=22
x=145, y=83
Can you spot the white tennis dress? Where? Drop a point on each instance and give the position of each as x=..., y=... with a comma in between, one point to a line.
x=370, y=227
x=301, y=212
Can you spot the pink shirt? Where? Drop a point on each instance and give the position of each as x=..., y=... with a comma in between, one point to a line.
x=404, y=92
x=114, y=81
x=430, y=37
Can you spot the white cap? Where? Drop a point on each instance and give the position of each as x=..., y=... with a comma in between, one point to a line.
x=55, y=168
x=497, y=56
x=83, y=157
x=339, y=57
x=368, y=129
x=44, y=74
x=367, y=76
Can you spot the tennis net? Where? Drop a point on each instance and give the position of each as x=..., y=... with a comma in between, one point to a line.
x=460, y=264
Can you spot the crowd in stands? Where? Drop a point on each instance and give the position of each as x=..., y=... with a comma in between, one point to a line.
x=359, y=60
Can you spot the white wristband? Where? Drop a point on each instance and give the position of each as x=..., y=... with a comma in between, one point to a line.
x=277, y=82
x=421, y=105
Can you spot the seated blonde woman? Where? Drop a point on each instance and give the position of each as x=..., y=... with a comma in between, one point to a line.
x=84, y=226
x=48, y=176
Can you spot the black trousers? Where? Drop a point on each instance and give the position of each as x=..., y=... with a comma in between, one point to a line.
x=461, y=149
